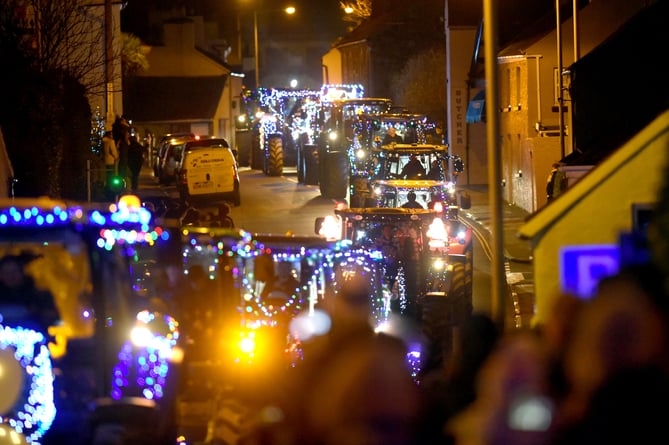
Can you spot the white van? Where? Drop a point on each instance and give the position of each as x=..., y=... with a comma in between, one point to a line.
x=208, y=172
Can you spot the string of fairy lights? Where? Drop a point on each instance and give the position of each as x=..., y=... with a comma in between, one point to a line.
x=322, y=268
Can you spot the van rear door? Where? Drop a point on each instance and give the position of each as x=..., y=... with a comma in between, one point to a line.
x=210, y=171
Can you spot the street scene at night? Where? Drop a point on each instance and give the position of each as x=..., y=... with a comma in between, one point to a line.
x=357, y=222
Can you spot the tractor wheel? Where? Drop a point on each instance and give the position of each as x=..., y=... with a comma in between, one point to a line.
x=244, y=147
x=257, y=152
x=336, y=170
x=440, y=314
x=310, y=165
x=275, y=158
x=322, y=171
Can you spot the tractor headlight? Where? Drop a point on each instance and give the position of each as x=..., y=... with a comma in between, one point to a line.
x=438, y=264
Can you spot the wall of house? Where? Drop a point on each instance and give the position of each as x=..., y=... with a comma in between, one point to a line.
x=598, y=207
x=332, y=67
x=228, y=109
x=179, y=57
x=461, y=42
x=356, y=66
x=524, y=148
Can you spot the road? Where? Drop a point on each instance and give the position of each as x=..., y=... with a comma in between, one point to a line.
x=268, y=204
x=278, y=204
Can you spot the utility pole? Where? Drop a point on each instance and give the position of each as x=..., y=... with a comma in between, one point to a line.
x=255, y=46
x=498, y=290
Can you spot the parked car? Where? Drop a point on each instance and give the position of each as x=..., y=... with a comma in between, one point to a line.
x=207, y=171
x=155, y=155
x=168, y=159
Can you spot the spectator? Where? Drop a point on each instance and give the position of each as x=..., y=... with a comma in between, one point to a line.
x=616, y=364
x=119, y=128
x=353, y=386
x=110, y=155
x=411, y=202
x=556, y=183
x=135, y=161
x=448, y=386
x=512, y=404
x=413, y=169
x=392, y=137
x=123, y=151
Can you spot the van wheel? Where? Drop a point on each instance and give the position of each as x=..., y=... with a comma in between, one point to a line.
x=275, y=160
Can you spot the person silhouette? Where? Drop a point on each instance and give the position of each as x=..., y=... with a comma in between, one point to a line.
x=392, y=137
x=411, y=202
x=413, y=169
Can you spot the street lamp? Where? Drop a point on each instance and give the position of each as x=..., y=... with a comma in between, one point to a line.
x=288, y=10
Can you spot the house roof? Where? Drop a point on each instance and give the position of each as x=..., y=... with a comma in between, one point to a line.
x=162, y=99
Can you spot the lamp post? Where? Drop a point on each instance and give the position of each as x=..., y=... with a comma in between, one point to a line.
x=255, y=47
x=288, y=10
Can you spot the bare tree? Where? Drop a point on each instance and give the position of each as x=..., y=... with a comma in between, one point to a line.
x=356, y=11
x=421, y=85
x=133, y=59
x=71, y=38
x=60, y=35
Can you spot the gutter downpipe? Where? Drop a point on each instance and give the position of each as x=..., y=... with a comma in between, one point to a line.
x=560, y=85
x=498, y=290
x=449, y=123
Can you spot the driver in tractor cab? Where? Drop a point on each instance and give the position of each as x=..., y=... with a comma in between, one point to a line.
x=389, y=244
x=283, y=285
x=413, y=169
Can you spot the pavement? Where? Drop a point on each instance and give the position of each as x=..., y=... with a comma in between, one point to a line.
x=517, y=252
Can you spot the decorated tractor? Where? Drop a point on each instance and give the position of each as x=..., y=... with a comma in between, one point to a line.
x=277, y=118
x=267, y=295
x=428, y=262
x=324, y=156
x=84, y=358
x=400, y=131
x=267, y=280
x=384, y=177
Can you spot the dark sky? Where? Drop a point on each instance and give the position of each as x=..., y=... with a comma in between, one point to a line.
x=315, y=19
